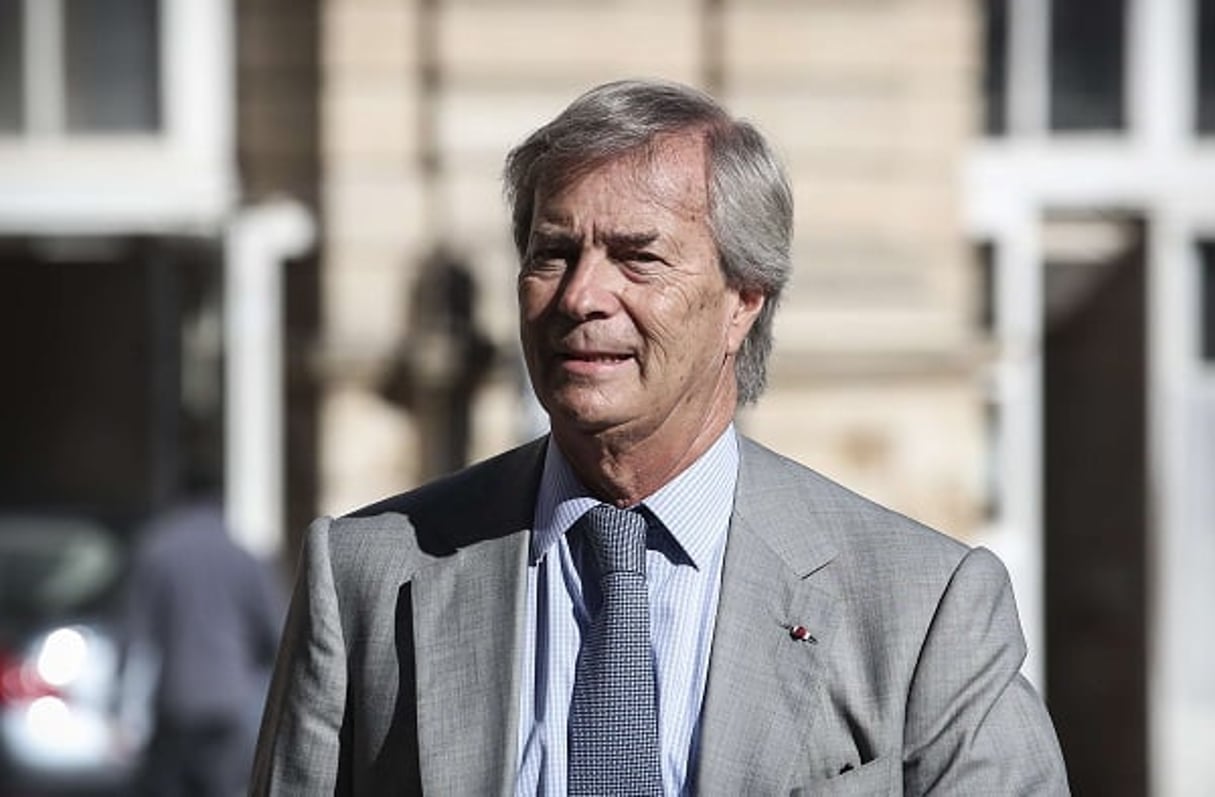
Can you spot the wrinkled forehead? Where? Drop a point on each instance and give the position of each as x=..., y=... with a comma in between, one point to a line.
x=670, y=170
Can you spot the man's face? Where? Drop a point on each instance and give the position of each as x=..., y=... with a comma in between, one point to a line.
x=626, y=320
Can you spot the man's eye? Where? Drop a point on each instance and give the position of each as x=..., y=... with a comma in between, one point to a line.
x=641, y=260
x=548, y=259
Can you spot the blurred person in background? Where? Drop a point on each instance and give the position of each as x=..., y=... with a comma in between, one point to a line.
x=203, y=621
x=645, y=601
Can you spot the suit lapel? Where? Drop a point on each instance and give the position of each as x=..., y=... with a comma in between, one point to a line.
x=466, y=638
x=468, y=612
x=764, y=686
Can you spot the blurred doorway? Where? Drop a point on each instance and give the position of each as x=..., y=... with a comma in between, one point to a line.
x=1095, y=496
x=113, y=353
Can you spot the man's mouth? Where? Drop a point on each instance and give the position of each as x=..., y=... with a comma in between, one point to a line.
x=594, y=356
x=591, y=363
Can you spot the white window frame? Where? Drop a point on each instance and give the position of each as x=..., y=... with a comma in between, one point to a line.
x=1159, y=166
x=180, y=178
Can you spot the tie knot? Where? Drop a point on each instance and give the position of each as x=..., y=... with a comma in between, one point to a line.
x=617, y=536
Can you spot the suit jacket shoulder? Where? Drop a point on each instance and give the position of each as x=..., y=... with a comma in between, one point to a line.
x=449, y=513
x=396, y=536
x=811, y=519
x=911, y=680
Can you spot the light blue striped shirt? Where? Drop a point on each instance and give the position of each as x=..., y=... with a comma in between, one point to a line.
x=683, y=572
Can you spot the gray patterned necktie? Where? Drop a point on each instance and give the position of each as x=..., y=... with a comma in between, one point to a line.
x=613, y=726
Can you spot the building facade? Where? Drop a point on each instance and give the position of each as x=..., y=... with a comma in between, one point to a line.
x=278, y=224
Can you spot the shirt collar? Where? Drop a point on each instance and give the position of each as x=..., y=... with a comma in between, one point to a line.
x=694, y=507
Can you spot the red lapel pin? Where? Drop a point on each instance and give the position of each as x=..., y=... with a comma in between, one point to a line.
x=802, y=634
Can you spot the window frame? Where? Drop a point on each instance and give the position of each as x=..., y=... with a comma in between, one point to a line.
x=181, y=176
x=1204, y=310
x=1204, y=22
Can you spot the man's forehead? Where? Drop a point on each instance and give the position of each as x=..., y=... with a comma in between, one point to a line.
x=670, y=170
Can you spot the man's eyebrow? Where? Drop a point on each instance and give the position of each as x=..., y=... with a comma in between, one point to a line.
x=550, y=236
x=629, y=240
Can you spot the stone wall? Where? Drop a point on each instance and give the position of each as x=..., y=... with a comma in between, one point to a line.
x=871, y=102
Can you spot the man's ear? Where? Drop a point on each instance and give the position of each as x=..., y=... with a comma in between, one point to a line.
x=749, y=301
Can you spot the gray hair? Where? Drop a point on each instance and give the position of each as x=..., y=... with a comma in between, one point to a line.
x=750, y=202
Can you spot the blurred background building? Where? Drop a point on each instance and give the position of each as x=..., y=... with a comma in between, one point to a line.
x=267, y=237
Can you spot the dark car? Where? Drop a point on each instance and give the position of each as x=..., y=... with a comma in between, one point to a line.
x=60, y=658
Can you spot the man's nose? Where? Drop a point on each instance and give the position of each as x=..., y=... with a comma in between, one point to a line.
x=589, y=288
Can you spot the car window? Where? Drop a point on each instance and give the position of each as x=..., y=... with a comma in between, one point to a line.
x=53, y=566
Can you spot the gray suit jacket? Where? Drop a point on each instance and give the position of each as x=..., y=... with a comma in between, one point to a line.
x=399, y=666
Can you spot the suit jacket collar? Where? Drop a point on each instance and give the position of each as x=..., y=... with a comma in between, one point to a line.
x=694, y=507
x=764, y=684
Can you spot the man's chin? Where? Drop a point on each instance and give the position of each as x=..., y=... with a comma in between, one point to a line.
x=584, y=418
x=585, y=423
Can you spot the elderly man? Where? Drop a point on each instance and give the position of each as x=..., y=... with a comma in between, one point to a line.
x=645, y=602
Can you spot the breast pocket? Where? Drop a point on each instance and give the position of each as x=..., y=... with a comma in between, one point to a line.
x=881, y=776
